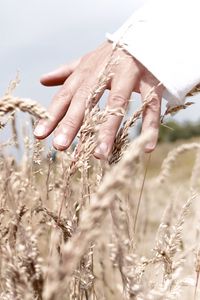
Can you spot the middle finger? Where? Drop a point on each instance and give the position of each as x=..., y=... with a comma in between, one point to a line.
x=122, y=86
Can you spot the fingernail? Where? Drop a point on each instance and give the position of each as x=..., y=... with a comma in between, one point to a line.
x=60, y=140
x=102, y=149
x=40, y=130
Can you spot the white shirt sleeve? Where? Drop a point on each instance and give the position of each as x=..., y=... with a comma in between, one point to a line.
x=164, y=36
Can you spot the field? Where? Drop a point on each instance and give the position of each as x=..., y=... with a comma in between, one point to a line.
x=72, y=227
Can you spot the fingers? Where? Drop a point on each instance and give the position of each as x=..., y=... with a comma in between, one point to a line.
x=151, y=115
x=89, y=66
x=58, y=106
x=121, y=89
x=79, y=78
x=72, y=121
x=58, y=76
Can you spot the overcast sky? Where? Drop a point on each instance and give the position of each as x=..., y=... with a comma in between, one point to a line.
x=39, y=35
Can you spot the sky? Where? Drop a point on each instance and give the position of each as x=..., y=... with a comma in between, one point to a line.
x=37, y=36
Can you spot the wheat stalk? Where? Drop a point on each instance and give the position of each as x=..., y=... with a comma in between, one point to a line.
x=171, y=159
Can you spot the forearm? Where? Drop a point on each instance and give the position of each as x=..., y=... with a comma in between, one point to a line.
x=163, y=36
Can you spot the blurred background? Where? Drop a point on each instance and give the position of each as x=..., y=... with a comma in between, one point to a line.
x=38, y=36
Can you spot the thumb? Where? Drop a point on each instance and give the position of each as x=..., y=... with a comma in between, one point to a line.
x=59, y=75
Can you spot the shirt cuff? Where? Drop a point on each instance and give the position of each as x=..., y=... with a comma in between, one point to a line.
x=162, y=35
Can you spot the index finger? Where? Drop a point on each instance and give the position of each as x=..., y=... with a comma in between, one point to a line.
x=59, y=106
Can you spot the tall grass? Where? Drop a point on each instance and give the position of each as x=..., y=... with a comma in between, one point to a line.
x=71, y=226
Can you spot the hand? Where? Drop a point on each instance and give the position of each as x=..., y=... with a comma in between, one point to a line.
x=79, y=78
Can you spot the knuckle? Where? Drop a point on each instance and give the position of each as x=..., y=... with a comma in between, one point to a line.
x=108, y=133
x=150, y=121
x=153, y=123
x=63, y=96
x=66, y=93
x=154, y=105
x=68, y=123
x=84, y=91
x=117, y=100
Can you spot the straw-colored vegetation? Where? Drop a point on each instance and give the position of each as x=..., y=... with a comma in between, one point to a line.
x=72, y=227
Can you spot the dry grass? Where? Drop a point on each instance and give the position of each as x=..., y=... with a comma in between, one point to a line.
x=71, y=227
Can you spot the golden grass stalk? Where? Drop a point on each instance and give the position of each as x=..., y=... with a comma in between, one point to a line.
x=9, y=103
x=92, y=217
x=171, y=159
